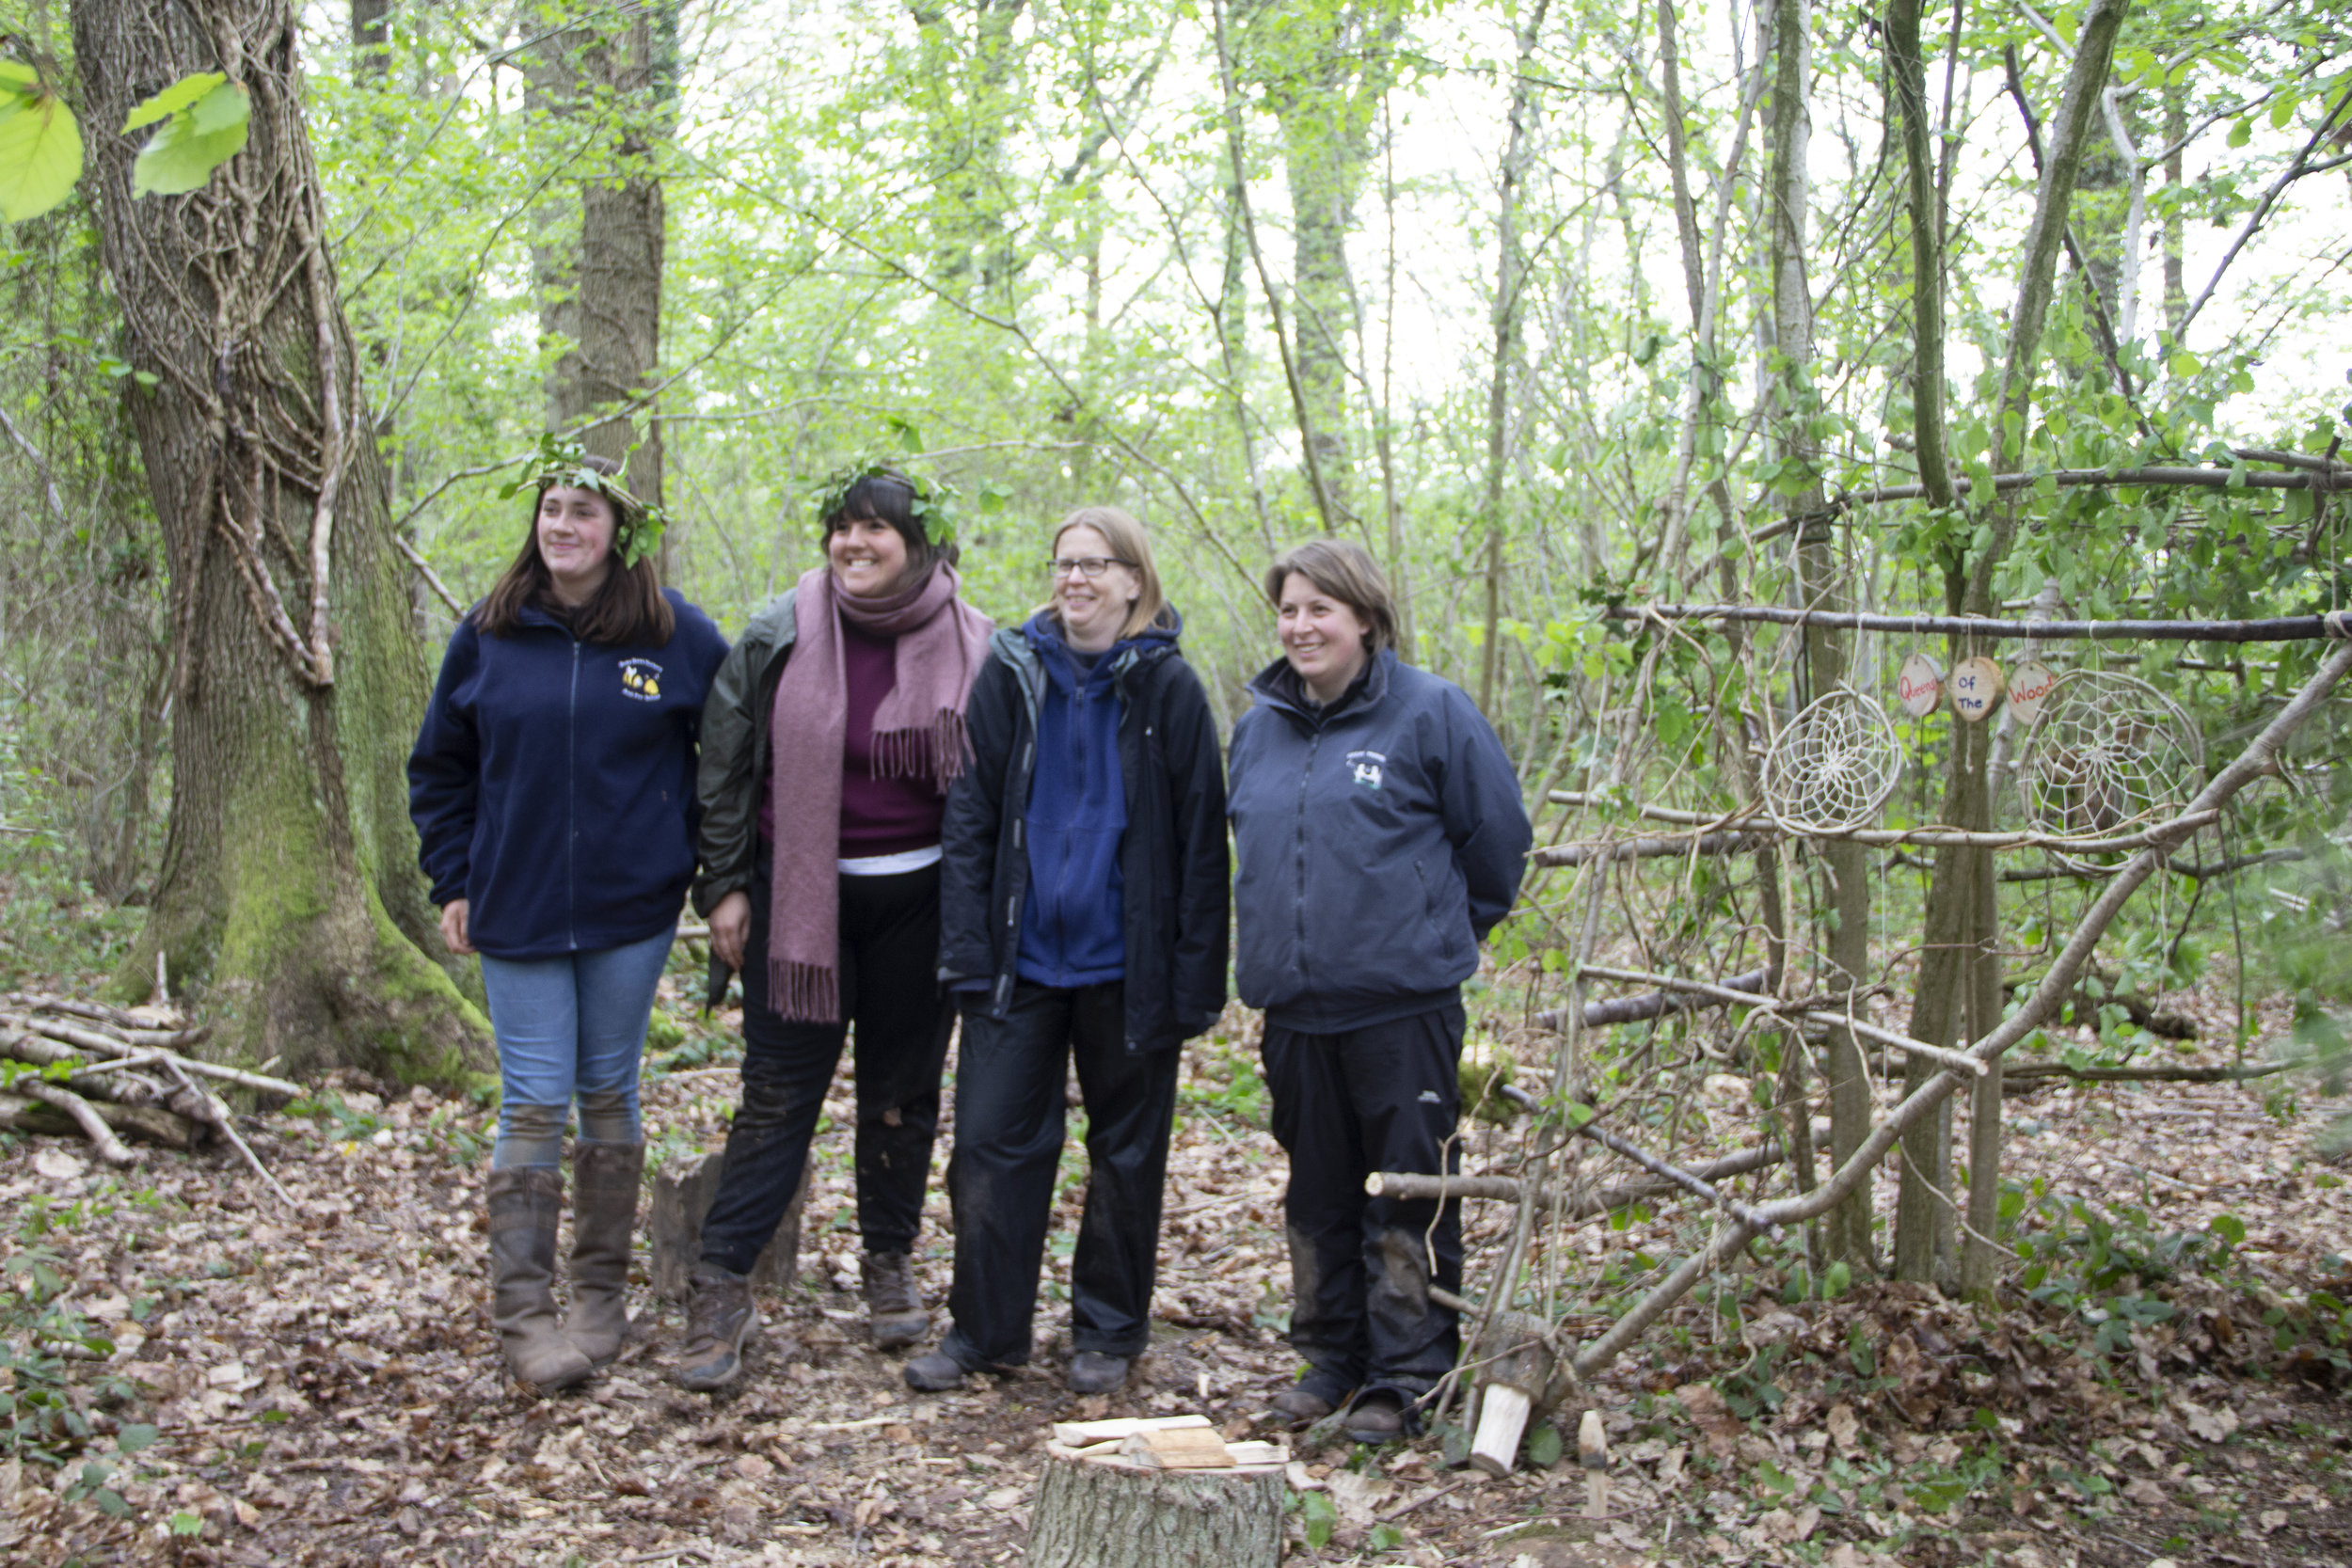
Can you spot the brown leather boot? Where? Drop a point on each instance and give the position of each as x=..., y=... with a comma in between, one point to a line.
x=605, y=1177
x=894, y=1302
x=721, y=1318
x=525, y=1203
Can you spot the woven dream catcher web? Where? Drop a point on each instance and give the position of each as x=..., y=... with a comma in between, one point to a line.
x=2107, y=750
x=1833, y=766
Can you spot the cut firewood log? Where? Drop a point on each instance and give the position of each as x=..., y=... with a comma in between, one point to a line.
x=1592, y=1453
x=682, y=1191
x=148, y=1123
x=1198, y=1447
x=1517, y=1376
x=1112, y=1513
x=1080, y=1435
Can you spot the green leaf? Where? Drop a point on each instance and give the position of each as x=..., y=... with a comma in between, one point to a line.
x=1544, y=1445
x=40, y=156
x=2229, y=1228
x=2243, y=131
x=173, y=99
x=226, y=107
x=1384, y=1538
x=184, y=1523
x=110, y=1502
x=130, y=1439
x=179, y=158
x=1321, y=1517
x=2184, y=364
x=21, y=79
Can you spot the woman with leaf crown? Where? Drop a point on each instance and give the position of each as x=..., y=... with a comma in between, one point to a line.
x=829, y=742
x=552, y=788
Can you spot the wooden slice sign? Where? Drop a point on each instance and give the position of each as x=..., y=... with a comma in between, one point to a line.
x=1976, y=688
x=1919, y=686
x=2028, y=683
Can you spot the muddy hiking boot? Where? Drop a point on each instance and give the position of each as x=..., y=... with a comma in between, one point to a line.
x=894, y=1304
x=525, y=1202
x=605, y=1177
x=719, y=1320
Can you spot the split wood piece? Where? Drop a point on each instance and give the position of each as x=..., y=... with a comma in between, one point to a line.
x=1592, y=1453
x=1411, y=1184
x=1200, y=1448
x=682, y=1191
x=1655, y=1004
x=147, y=1123
x=1518, y=1377
x=110, y=1148
x=109, y=1045
x=1080, y=1435
x=1095, y=1514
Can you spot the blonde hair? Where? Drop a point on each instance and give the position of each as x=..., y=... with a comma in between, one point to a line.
x=1132, y=547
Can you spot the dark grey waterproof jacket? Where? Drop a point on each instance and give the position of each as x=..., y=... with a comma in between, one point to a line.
x=1173, y=858
x=1377, y=841
x=734, y=752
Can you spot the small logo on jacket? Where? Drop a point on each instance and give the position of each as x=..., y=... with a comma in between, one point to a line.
x=640, y=678
x=1367, y=766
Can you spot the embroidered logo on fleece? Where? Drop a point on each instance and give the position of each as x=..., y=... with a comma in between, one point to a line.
x=1367, y=767
x=640, y=678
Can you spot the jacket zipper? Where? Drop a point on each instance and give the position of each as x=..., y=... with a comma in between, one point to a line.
x=1298, y=902
x=571, y=806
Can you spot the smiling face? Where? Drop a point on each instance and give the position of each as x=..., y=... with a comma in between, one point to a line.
x=867, y=557
x=1322, y=636
x=1093, y=608
x=574, y=533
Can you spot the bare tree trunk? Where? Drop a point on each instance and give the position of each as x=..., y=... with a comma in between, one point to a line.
x=289, y=890
x=1509, y=279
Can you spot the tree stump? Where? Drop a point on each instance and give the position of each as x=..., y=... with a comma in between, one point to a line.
x=682, y=1191
x=1106, y=1513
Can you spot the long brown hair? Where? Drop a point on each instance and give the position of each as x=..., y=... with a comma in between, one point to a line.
x=628, y=610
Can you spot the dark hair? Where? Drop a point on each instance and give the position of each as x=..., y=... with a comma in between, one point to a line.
x=628, y=610
x=885, y=496
x=1347, y=573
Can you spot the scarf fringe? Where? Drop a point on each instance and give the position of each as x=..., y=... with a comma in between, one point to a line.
x=803, y=992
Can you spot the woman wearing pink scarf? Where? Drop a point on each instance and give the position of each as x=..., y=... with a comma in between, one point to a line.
x=829, y=742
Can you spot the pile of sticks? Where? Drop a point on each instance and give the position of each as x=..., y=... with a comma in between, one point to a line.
x=107, y=1074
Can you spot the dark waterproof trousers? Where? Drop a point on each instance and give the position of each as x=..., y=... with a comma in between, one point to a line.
x=1009, y=1099
x=889, y=929
x=1346, y=1105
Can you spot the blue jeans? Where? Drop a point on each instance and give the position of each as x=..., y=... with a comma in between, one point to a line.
x=570, y=1028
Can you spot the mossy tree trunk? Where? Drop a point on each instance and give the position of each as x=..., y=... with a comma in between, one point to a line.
x=288, y=904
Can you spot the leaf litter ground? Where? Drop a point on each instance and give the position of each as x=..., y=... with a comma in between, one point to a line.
x=321, y=1385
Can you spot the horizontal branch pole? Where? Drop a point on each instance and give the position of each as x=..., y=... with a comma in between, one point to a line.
x=1697, y=1185
x=1651, y=849
x=1509, y=1189
x=2282, y=628
x=2258, y=757
x=2067, y=479
x=1672, y=996
x=1958, y=1061
x=1885, y=838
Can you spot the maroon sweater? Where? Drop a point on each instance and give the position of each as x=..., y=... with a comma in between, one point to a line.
x=879, y=817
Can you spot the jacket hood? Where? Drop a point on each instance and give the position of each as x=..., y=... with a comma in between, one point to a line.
x=1042, y=635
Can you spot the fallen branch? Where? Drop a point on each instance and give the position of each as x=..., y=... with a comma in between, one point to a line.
x=110, y=1148
x=1652, y=848
x=1509, y=1189
x=2040, y=1072
x=220, y=1118
x=1672, y=997
x=148, y=1123
x=110, y=1045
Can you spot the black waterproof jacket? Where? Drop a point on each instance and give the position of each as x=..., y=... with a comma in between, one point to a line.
x=1172, y=859
x=1379, y=840
x=734, y=752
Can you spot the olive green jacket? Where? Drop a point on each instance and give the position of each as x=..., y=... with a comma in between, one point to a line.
x=734, y=752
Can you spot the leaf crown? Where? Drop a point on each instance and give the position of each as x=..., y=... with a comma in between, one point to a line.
x=562, y=460
x=932, y=506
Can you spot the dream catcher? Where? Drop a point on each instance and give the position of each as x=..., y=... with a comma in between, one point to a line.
x=1833, y=766
x=2108, y=751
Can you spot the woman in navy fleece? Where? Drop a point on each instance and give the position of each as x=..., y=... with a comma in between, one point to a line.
x=553, y=792
x=1083, y=902
x=1379, y=834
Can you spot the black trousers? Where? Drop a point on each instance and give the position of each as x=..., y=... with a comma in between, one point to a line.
x=889, y=928
x=1009, y=1137
x=1382, y=1097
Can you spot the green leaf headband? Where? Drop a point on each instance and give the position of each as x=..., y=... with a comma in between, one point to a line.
x=933, y=506
x=561, y=461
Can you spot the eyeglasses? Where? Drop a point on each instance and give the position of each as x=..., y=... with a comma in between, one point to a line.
x=1087, y=566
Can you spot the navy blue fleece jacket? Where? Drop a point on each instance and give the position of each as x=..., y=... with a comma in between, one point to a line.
x=1074, y=925
x=552, y=785
x=1376, y=842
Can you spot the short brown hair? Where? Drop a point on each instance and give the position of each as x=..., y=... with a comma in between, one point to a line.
x=1347, y=573
x=1132, y=546
x=628, y=612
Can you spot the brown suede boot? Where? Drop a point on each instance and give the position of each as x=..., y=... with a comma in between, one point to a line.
x=720, y=1319
x=604, y=1217
x=525, y=1203
x=894, y=1302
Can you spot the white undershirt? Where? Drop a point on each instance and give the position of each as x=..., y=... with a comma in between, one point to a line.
x=890, y=866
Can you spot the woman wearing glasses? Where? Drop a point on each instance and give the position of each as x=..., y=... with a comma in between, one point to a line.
x=1083, y=901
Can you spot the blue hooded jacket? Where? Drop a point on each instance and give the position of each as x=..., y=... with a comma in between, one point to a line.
x=1376, y=842
x=552, y=783
x=1074, y=929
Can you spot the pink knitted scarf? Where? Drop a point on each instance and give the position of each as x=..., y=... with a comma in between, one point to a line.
x=918, y=733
